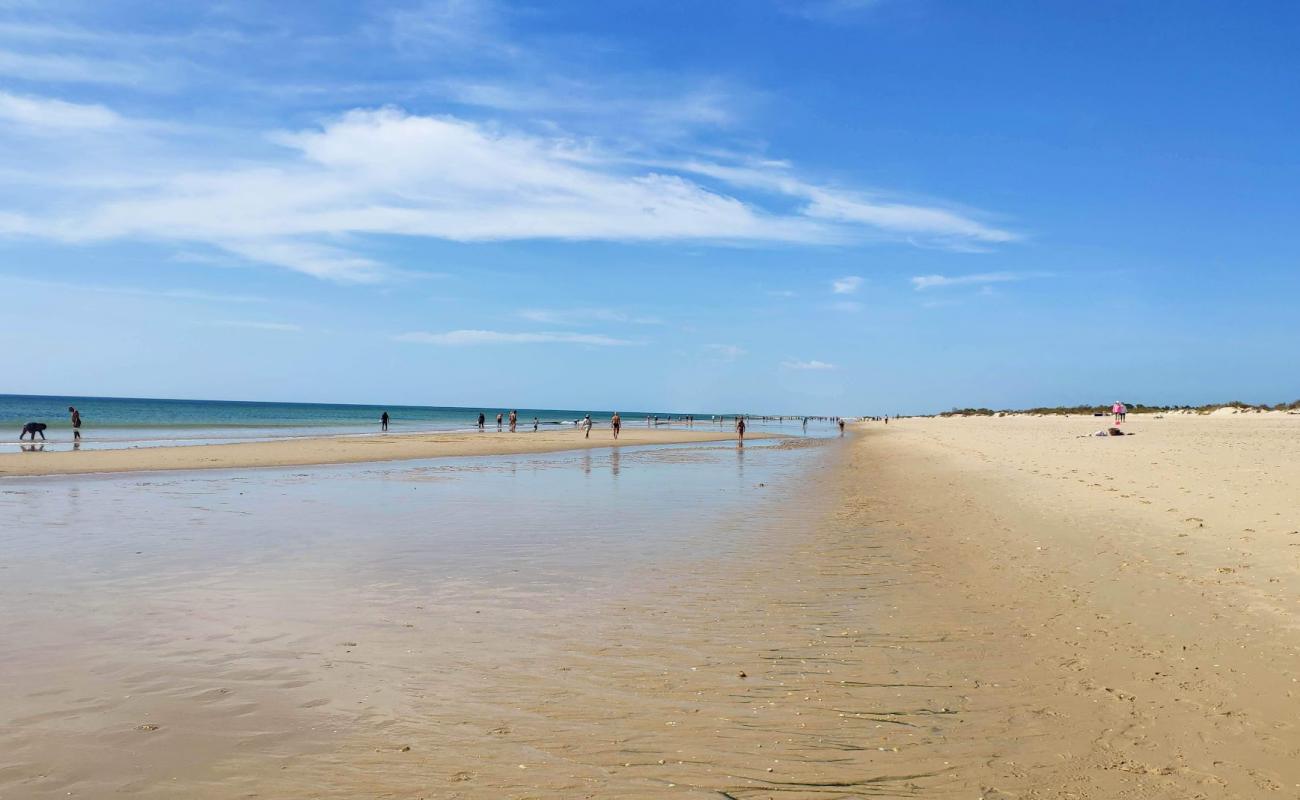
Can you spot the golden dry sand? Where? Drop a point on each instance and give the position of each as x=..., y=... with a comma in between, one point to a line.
x=1137, y=597
x=343, y=450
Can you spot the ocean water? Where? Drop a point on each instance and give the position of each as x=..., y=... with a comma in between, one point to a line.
x=116, y=422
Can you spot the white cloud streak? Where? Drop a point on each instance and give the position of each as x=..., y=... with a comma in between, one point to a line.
x=808, y=365
x=849, y=284
x=924, y=282
x=281, y=327
x=586, y=316
x=44, y=114
x=460, y=338
x=387, y=172
x=728, y=352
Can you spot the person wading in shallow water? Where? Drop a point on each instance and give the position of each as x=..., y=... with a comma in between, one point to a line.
x=76, y=423
x=616, y=422
x=498, y=423
x=482, y=420
x=514, y=420
x=740, y=429
x=383, y=421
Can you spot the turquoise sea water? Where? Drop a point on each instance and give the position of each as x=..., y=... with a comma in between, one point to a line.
x=109, y=422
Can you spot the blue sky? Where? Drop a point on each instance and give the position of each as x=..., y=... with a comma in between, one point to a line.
x=832, y=206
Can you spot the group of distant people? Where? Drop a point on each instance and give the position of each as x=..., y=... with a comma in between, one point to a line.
x=511, y=422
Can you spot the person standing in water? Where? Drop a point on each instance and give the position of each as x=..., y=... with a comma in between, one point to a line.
x=514, y=420
x=534, y=424
x=482, y=420
x=616, y=422
x=383, y=421
x=498, y=423
x=76, y=423
x=740, y=429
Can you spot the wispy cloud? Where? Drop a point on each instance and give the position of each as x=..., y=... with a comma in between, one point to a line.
x=167, y=294
x=828, y=10
x=849, y=284
x=71, y=69
x=923, y=282
x=282, y=327
x=586, y=316
x=848, y=306
x=781, y=293
x=45, y=114
x=808, y=365
x=478, y=337
x=388, y=172
x=728, y=352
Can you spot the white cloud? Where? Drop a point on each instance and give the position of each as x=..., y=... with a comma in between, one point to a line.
x=46, y=113
x=923, y=282
x=135, y=291
x=808, y=365
x=71, y=69
x=285, y=327
x=828, y=10
x=586, y=316
x=849, y=306
x=730, y=352
x=386, y=172
x=474, y=337
x=849, y=284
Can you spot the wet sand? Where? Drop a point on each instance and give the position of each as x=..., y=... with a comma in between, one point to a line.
x=306, y=451
x=915, y=611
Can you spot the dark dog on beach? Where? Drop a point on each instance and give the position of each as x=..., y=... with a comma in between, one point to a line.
x=33, y=428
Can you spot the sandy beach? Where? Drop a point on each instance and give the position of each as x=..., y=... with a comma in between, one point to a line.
x=307, y=450
x=958, y=608
x=1136, y=596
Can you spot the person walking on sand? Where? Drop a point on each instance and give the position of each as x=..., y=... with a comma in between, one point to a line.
x=740, y=429
x=383, y=421
x=498, y=423
x=1119, y=411
x=586, y=426
x=76, y=423
x=534, y=424
x=616, y=422
x=841, y=426
x=482, y=421
x=514, y=420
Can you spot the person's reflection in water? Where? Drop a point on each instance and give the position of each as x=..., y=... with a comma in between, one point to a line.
x=740, y=458
x=76, y=444
x=613, y=462
x=586, y=462
x=33, y=448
